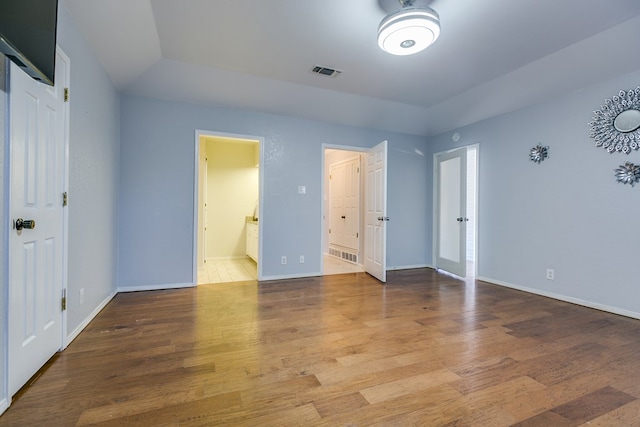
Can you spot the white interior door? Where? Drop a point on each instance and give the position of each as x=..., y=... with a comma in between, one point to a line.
x=352, y=204
x=375, y=244
x=450, y=214
x=344, y=206
x=336, y=204
x=36, y=252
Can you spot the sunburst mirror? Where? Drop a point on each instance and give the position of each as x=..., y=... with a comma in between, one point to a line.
x=616, y=125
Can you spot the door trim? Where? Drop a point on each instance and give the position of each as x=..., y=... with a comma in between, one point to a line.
x=66, y=339
x=199, y=133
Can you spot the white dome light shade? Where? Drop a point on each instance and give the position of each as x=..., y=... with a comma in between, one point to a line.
x=408, y=31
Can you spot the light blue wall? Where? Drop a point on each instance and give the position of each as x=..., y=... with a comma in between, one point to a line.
x=567, y=213
x=94, y=136
x=155, y=232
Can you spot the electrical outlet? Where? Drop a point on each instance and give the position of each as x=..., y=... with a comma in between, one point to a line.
x=301, y=259
x=81, y=295
x=283, y=260
x=550, y=274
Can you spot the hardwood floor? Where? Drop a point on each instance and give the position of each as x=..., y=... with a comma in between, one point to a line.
x=424, y=350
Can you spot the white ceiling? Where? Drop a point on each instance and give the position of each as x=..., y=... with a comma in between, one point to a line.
x=493, y=56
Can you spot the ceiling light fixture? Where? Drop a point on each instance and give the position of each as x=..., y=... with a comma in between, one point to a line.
x=408, y=30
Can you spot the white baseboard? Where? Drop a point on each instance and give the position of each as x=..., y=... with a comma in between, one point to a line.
x=4, y=405
x=408, y=267
x=590, y=304
x=155, y=287
x=88, y=319
x=300, y=276
x=289, y=276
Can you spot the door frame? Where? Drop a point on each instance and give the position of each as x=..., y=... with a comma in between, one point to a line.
x=196, y=193
x=434, y=242
x=64, y=339
x=323, y=235
x=202, y=203
x=323, y=203
x=65, y=212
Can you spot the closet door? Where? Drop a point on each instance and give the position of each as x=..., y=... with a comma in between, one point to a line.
x=344, y=202
x=451, y=208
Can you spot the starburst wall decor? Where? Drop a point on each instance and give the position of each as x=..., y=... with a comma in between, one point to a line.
x=538, y=153
x=616, y=125
x=628, y=174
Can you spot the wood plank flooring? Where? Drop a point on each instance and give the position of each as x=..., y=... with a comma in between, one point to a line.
x=423, y=350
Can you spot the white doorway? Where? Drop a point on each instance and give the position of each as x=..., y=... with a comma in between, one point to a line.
x=38, y=116
x=455, y=206
x=227, y=207
x=354, y=210
x=344, y=181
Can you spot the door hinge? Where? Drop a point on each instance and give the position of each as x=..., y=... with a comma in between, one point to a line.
x=358, y=170
x=65, y=199
x=356, y=235
x=66, y=94
x=63, y=302
x=329, y=231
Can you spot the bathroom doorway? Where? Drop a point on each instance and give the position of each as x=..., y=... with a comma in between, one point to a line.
x=227, y=207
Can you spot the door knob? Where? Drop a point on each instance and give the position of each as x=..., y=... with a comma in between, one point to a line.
x=343, y=217
x=383, y=218
x=29, y=224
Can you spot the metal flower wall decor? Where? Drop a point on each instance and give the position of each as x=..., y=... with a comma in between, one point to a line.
x=616, y=125
x=628, y=174
x=538, y=153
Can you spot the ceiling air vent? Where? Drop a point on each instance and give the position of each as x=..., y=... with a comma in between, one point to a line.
x=329, y=72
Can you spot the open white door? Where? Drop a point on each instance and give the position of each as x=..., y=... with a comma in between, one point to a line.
x=450, y=213
x=375, y=243
x=36, y=241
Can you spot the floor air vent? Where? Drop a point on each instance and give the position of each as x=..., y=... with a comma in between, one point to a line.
x=347, y=256
x=329, y=72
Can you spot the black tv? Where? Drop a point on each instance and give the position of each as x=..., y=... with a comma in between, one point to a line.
x=28, y=36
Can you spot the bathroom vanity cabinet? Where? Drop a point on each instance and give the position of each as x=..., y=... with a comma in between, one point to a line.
x=252, y=240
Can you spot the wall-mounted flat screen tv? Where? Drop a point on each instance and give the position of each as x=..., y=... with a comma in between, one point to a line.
x=28, y=36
